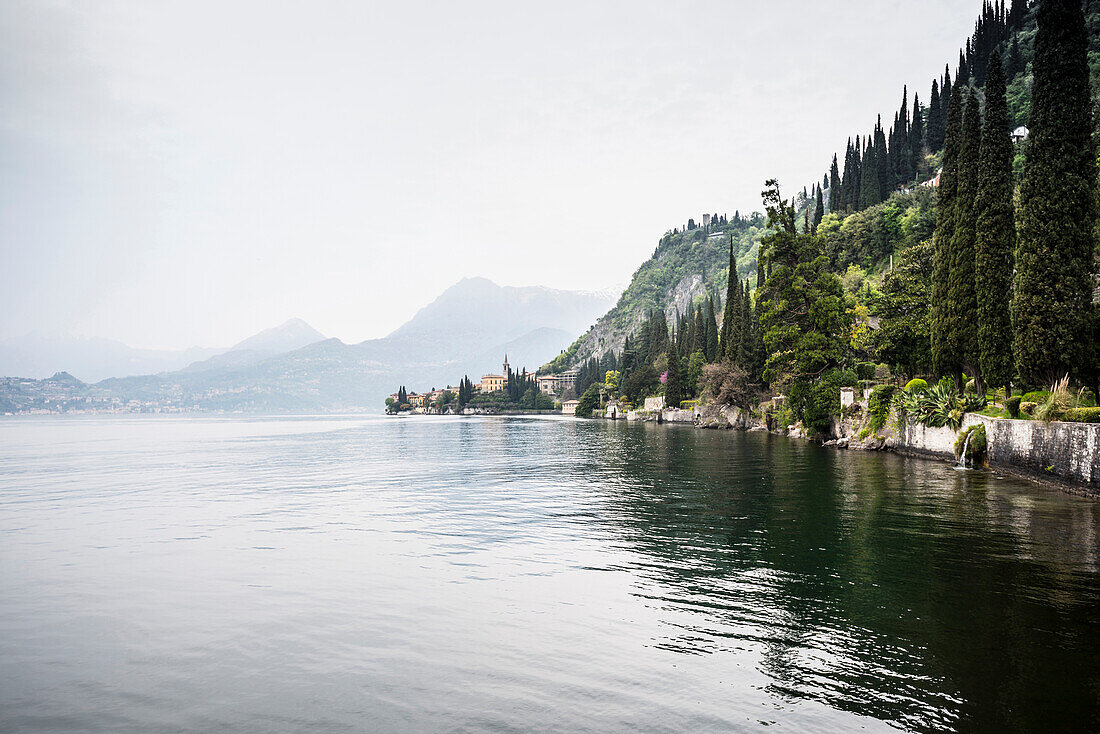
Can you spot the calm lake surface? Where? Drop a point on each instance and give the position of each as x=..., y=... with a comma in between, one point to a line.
x=503, y=575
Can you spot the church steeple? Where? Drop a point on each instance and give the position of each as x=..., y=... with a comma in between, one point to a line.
x=505, y=365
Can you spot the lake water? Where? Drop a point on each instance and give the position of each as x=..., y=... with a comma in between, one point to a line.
x=504, y=575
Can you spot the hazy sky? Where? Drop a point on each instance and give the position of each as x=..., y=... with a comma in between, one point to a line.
x=180, y=173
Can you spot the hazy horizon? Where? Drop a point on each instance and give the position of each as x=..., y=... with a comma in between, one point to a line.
x=180, y=175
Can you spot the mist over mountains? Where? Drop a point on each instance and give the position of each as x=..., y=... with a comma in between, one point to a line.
x=466, y=330
x=92, y=360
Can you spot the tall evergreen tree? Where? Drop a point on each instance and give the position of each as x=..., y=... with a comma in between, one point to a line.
x=916, y=138
x=869, y=192
x=732, y=284
x=847, y=184
x=745, y=351
x=937, y=117
x=1054, y=258
x=943, y=361
x=712, y=331
x=834, y=186
x=882, y=164
x=674, y=384
x=995, y=241
x=1017, y=14
x=962, y=303
x=945, y=95
x=819, y=211
x=733, y=308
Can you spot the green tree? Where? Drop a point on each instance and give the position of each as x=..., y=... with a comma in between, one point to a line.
x=712, y=331
x=694, y=372
x=674, y=384
x=937, y=119
x=819, y=211
x=995, y=240
x=869, y=192
x=611, y=382
x=1054, y=257
x=834, y=186
x=589, y=401
x=904, y=335
x=961, y=306
x=943, y=355
x=733, y=301
x=801, y=303
x=744, y=349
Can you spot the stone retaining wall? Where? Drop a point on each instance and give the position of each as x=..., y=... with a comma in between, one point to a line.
x=1065, y=451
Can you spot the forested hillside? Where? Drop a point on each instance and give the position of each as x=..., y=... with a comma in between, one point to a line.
x=688, y=265
x=875, y=202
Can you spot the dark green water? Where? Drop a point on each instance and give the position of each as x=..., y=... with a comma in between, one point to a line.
x=528, y=575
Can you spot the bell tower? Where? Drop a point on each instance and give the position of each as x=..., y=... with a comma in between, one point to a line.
x=505, y=373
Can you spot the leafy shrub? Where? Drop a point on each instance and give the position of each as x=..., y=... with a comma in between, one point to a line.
x=688, y=404
x=974, y=441
x=971, y=387
x=1028, y=407
x=878, y=407
x=946, y=383
x=1013, y=406
x=916, y=385
x=1038, y=397
x=865, y=370
x=1082, y=415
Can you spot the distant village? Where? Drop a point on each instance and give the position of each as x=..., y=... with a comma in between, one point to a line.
x=558, y=388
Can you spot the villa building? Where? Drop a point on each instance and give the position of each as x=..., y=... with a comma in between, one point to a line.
x=493, y=383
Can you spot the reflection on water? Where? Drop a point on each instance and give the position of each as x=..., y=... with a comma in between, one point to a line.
x=442, y=574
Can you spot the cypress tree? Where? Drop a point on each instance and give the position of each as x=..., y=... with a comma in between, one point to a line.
x=869, y=178
x=732, y=283
x=1054, y=257
x=945, y=96
x=882, y=164
x=916, y=139
x=712, y=331
x=962, y=303
x=834, y=186
x=1015, y=62
x=673, y=387
x=936, y=119
x=733, y=308
x=745, y=352
x=942, y=357
x=847, y=184
x=819, y=210
x=698, y=341
x=995, y=242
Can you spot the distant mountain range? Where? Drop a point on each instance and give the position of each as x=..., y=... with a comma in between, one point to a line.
x=468, y=329
x=93, y=360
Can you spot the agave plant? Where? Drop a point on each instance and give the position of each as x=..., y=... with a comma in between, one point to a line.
x=940, y=405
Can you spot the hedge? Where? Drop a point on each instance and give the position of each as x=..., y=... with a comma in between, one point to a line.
x=1013, y=406
x=1082, y=415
